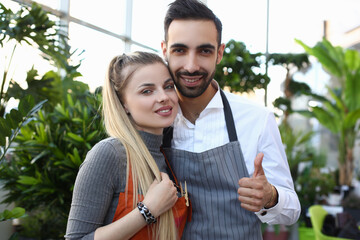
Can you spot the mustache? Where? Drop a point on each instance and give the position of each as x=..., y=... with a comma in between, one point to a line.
x=186, y=73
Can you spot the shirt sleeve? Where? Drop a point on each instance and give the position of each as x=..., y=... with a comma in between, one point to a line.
x=277, y=171
x=93, y=191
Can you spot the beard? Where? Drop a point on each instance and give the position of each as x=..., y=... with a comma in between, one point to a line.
x=196, y=91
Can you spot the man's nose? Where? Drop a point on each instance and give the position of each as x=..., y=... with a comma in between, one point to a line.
x=192, y=63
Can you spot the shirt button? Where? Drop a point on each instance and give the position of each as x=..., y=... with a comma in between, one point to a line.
x=263, y=213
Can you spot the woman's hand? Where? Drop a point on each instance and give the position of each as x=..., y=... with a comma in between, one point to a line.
x=161, y=196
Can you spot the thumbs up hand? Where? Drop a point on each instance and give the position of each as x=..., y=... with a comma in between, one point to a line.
x=256, y=192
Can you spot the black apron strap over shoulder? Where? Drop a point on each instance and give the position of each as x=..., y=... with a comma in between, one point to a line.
x=230, y=125
x=167, y=137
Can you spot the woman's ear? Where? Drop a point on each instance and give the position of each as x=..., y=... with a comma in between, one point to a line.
x=126, y=109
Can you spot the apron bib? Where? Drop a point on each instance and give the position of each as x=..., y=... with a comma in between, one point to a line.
x=212, y=182
x=180, y=210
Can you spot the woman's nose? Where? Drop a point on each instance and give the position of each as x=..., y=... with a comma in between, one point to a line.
x=163, y=97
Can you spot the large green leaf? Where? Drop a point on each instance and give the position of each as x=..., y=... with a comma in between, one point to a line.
x=351, y=119
x=5, y=129
x=26, y=105
x=27, y=180
x=326, y=119
x=14, y=118
x=352, y=60
x=338, y=101
x=75, y=137
x=323, y=55
x=352, y=90
x=16, y=212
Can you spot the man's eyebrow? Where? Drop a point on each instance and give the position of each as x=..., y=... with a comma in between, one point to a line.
x=208, y=45
x=202, y=46
x=178, y=45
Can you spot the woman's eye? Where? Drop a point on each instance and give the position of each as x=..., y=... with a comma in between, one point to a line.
x=169, y=86
x=147, y=91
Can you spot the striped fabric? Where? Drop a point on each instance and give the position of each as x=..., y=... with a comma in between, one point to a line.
x=212, y=181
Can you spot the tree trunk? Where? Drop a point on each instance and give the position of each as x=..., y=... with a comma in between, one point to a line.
x=349, y=165
x=346, y=167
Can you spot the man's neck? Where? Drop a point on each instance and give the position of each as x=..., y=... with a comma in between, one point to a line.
x=192, y=107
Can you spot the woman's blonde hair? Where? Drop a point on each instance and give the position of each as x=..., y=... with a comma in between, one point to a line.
x=119, y=125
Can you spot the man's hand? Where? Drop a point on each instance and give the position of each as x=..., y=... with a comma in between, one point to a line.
x=256, y=192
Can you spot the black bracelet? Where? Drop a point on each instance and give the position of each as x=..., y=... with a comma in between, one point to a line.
x=145, y=212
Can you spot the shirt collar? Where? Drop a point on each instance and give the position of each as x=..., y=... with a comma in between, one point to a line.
x=216, y=101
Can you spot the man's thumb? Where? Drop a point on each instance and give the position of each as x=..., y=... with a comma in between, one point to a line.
x=258, y=169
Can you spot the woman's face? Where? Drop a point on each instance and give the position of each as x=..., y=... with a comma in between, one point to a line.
x=150, y=98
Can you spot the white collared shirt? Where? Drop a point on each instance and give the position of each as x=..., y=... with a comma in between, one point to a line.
x=257, y=132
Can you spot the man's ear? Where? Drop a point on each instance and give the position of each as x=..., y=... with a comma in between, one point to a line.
x=220, y=53
x=164, y=48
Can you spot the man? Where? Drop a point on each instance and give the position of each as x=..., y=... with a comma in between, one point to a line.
x=217, y=135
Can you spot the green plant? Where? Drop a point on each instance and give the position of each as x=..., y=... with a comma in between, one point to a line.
x=311, y=184
x=297, y=147
x=41, y=172
x=27, y=26
x=32, y=26
x=16, y=212
x=292, y=64
x=13, y=121
x=10, y=126
x=340, y=111
x=237, y=69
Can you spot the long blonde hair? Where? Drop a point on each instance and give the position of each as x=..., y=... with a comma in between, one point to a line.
x=119, y=125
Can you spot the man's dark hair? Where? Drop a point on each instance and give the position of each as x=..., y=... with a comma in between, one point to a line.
x=190, y=10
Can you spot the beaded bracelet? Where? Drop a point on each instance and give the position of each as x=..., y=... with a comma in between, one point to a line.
x=145, y=212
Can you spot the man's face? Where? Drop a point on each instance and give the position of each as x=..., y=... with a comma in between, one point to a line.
x=192, y=53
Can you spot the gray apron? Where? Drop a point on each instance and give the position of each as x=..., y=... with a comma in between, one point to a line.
x=212, y=182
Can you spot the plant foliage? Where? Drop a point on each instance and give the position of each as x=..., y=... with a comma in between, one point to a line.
x=48, y=152
x=340, y=110
x=45, y=155
x=239, y=69
x=10, y=126
x=14, y=213
x=32, y=26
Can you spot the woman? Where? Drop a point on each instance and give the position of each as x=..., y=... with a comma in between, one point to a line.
x=139, y=100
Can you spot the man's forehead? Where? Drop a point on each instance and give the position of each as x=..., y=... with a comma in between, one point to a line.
x=192, y=31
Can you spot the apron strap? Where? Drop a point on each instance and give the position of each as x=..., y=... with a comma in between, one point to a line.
x=230, y=125
x=169, y=169
x=167, y=137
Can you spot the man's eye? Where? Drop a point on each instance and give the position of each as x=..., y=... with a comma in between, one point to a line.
x=178, y=50
x=206, y=51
